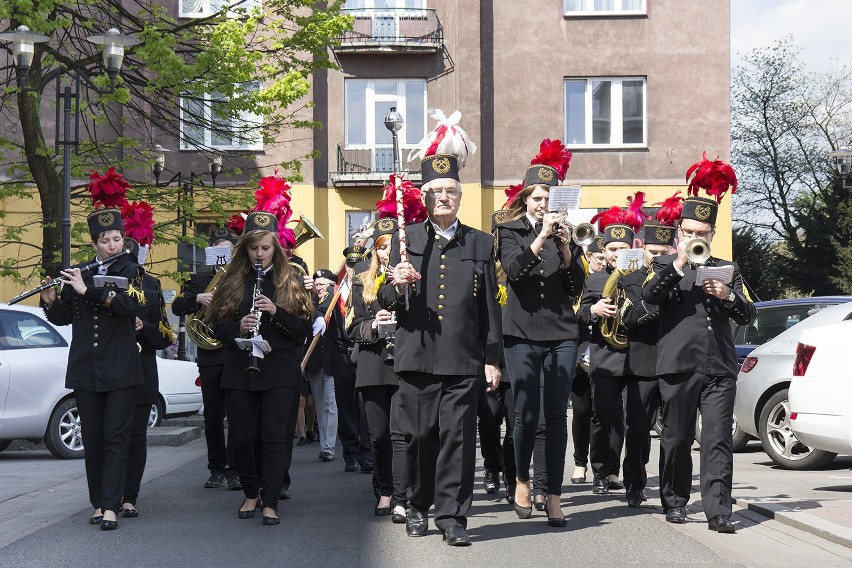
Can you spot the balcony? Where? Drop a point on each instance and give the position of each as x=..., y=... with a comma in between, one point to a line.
x=392, y=30
x=369, y=167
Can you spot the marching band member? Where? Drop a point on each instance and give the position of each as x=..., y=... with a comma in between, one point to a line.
x=104, y=369
x=539, y=326
x=641, y=321
x=448, y=335
x=696, y=358
x=606, y=362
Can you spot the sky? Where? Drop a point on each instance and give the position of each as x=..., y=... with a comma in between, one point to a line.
x=821, y=28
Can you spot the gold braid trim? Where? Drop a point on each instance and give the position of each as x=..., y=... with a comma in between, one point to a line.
x=502, y=295
x=578, y=300
x=585, y=266
x=380, y=280
x=165, y=330
x=651, y=274
x=136, y=293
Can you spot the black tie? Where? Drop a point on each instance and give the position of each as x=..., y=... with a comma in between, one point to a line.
x=538, y=227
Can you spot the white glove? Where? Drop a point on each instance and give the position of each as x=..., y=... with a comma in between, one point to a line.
x=319, y=326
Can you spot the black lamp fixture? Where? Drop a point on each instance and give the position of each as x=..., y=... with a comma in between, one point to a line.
x=159, y=166
x=23, y=48
x=113, y=43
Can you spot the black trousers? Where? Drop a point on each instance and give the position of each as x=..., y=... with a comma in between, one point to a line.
x=437, y=414
x=493, y=408
x=347, y=407
x=682, y=395
x=607, y=426
x=220, y=455
x=643, y=398
x=581, y=416
x=272, y=408
x=378, y=406
x=137, y=453
x=289, y=429
x=107, y=422
x=400, y=456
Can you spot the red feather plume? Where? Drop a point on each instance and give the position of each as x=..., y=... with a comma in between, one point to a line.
x=611, y=216
x=412, y=204
x=108, y=190
x=273, y=196
x=554, y=153
x=714, y=177
x=237, y=222
x=634, y=217
x=670, y=209
x=511, y=193
x=139, y=222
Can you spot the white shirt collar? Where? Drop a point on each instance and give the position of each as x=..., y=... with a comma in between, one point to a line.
x=532, y=220
x=449, y=233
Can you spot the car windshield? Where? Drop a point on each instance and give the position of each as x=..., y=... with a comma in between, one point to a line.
x=770, y=322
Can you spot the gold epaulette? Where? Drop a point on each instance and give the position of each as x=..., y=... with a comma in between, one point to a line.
x=380, y=280
x=165, y=329
x=502, y=295
x=136, y=293
x=651, y=274
x=578, y=301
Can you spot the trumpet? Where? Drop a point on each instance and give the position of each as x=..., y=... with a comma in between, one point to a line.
x=582, y=234
x=258, y=284
x=697, y=251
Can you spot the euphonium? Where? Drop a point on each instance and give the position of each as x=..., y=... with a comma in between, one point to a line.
x=304, y=231
x=612, y=329
x=697, y=251
x=197, y=328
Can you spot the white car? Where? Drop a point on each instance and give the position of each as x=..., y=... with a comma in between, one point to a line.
x=821, y=391
x=34, y=402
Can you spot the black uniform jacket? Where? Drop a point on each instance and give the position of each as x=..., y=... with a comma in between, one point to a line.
x=643, y=326
x=156, y=333
x=185, y=304
x=452, y=326
x=335, y=346
x=286, y=334
x=604, y=360
x=103, y=354
x=695, y=331
x=539, y=304
x=372, y=349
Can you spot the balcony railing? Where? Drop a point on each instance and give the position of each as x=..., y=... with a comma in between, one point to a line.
x=392, y=30
x=369, y=166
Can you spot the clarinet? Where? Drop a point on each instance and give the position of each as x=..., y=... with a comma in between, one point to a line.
x=258, y=285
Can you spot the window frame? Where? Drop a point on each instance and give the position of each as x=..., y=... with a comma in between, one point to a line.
x=616, y=114
x=208, y=8
x=244, y=144
x=13, y=318
x=370, y=100
x=615, y=12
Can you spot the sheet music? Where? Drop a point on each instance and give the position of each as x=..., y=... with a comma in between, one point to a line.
x=102, y=280
x=630, y=259
x=143, y=254
x=722, y=273
x=217, y=256
x=258, y=345
x=564, y=197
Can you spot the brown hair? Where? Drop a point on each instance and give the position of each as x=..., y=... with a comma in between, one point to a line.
x=518, y=207
x=368, y=278
x=290, y=293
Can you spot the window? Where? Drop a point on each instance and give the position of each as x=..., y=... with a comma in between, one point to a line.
x=205, y=123
x=368, y=101
x=205, y=8
x=358, y=224
x=359, y=4
x=605, y=7
x=605, y=112
x=20, y=330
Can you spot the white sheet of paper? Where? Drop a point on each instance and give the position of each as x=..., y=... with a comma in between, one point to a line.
x=143, y=254
x=258, y=345
x=630, y=259
x=217, y=256
x=102, y=280
x=722, y=273
x=564, y=197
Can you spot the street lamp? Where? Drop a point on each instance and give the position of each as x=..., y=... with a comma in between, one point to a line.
x=23, y=49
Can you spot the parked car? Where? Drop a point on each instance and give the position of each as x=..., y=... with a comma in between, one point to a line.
x=34, y=402
x=821, y=389
x=761, y=407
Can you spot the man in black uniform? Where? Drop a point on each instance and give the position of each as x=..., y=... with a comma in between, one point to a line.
x=697, y=363
x=448, y=335
x=194, y=296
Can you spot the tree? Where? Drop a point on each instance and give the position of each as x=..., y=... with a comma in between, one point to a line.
x=785, y=121
x=212, y=72
x=751, y=251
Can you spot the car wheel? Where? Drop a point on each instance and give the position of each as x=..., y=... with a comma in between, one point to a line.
x=64, y=438
x=156, y=416
x=779, y=441
x=739, y=438
x=5, y=444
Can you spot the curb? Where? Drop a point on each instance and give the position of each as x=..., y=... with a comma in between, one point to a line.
x=172, y=436
x=833, y=532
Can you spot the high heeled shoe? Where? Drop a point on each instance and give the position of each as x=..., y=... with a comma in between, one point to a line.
x=245, y=514
x=522, y=512
x=539, y=505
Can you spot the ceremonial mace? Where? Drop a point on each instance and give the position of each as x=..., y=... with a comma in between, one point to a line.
x=394, y=122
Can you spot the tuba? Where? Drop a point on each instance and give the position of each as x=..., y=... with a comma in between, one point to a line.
x=305, y=230
x=197, y=328
x=612, y=329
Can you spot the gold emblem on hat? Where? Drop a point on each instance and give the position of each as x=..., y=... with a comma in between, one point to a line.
x=600, y=241
x=702, y=212
x=618, y=232
x=385, y=224
x=106, y=219
x=262, y=219
x=545, y=174
x=663, y=234
x=441, y=165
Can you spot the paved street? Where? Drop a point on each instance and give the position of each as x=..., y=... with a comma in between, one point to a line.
x=43, y=522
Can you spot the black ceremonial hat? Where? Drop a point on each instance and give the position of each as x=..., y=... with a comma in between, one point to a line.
x=106, y=219
x=618, y=234
x=222, y=234
x=439, y=166
x=327, y=274
x=700, y=209
x=384, y=226
x=659, y=235
x=355, y=254
x=541, y=174
x=261, y=221
x=597, y=244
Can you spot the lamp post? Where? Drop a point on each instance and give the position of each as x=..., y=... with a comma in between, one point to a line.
x=23, y=50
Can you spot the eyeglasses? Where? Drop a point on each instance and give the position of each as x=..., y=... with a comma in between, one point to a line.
x=696, y=234
x=450, y=193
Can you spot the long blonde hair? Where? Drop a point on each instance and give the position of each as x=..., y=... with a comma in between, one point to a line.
x=518, y=207
x=290, y=293
x=368, y=278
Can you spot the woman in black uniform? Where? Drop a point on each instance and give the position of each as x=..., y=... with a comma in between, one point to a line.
x=103, y=362
x=540, y=331
x=271, y=394
x=375, y=379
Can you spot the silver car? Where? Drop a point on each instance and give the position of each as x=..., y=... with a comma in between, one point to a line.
x=761, y=408
x=34, y=402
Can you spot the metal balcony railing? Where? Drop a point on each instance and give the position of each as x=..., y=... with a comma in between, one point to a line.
x=369, y=166
x=392, y=30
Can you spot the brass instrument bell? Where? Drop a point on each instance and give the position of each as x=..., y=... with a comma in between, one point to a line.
x=698, y=251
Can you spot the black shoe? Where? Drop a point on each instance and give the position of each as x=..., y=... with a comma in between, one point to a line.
x=510, y=494
x=382, y=511
x=234, y=483
x=215, y=480
x=352, y=466
x=326, y=456
x=578, y=480
x=600, y=486
x=635, y=497
x=722, y=524
x=109, y=525
x=271, y=520
x=398, y=518
x=492, y=482
x=456, y=536
x=676, y=515
x=246, y=514
x=539, y=505
x=367, y=467
x=301, y=441
x=615, y=485
x=310, y=437
x=129, y=512
x=558, y=522
x=416, y=523
x=96, y=519
x=285, y=494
